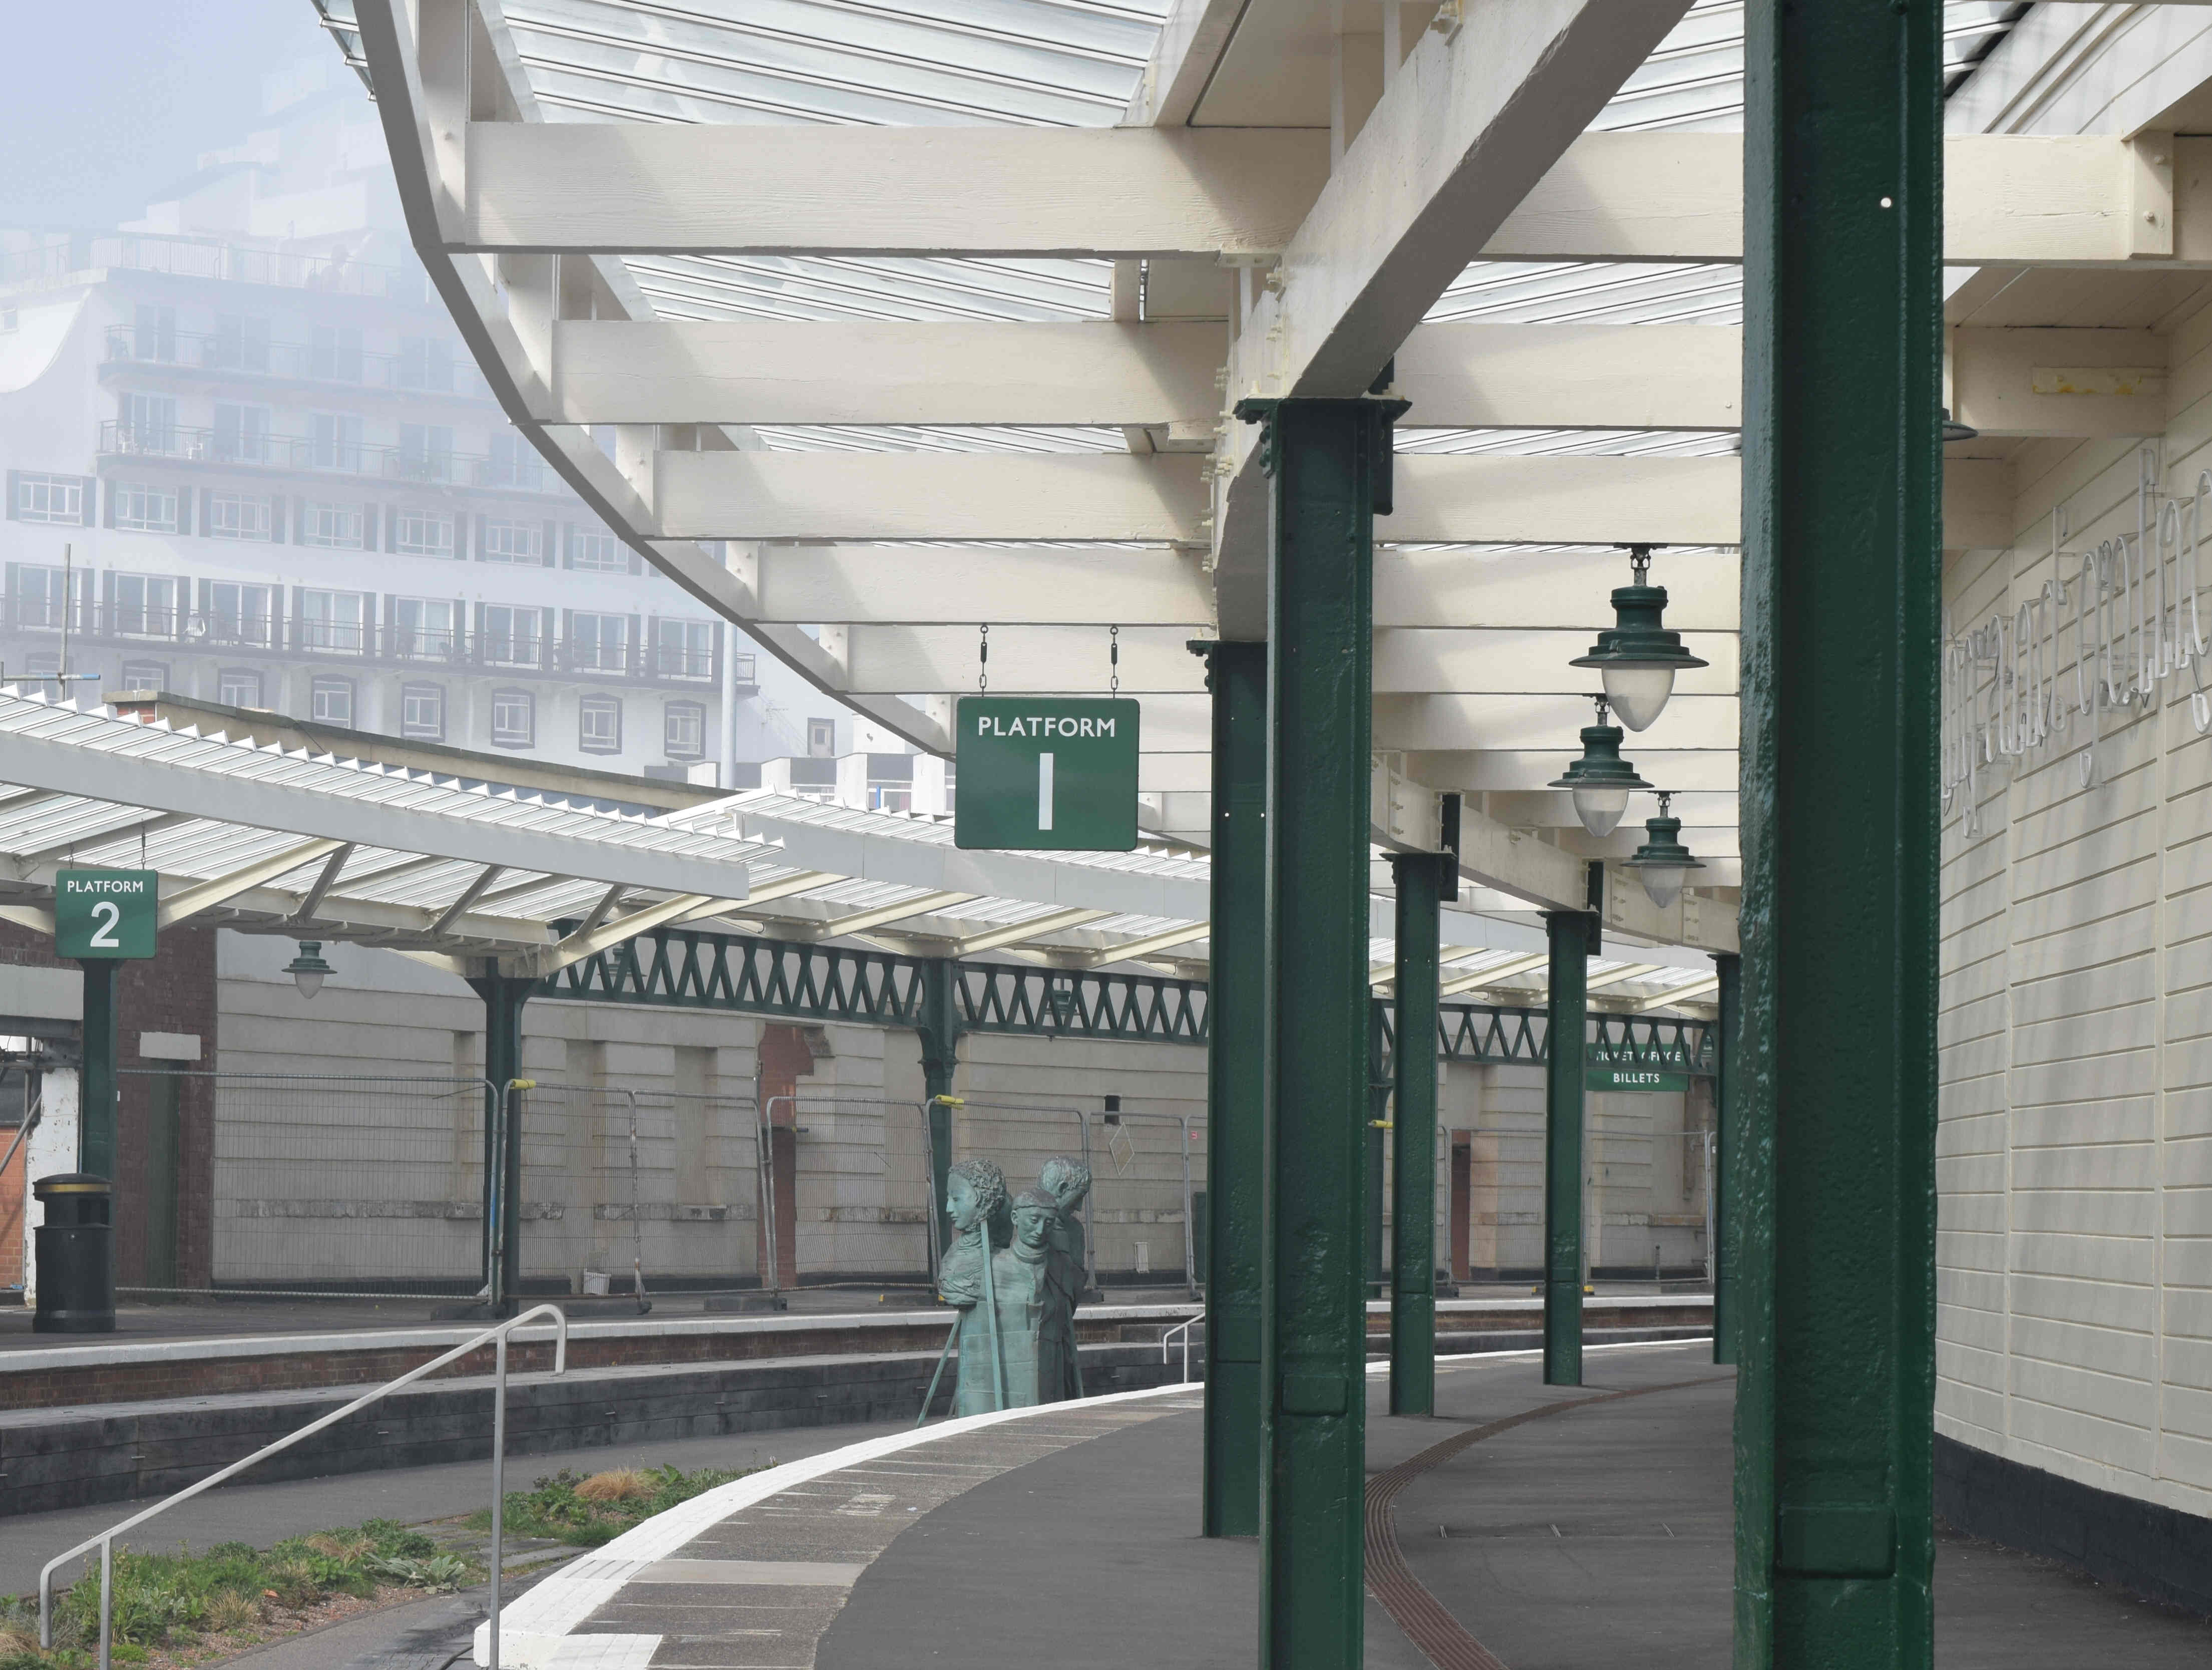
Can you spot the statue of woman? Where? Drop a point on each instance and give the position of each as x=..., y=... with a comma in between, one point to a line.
x=1067, y=1182
x=975, y=1201
x=1033, y=1323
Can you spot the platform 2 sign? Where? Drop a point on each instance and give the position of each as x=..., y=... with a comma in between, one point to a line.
x=106, y=913
x=1045, y=773
x=1611, y=1080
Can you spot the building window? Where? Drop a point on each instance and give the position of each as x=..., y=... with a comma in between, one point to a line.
x=145, y=675
x=599, y=643
x=333, y=620
x=513, y=464
x=684, y=649
x=149, y=423
x=422, y=712
x=426, y=362
x=241, y=434
x=423, y=628
x=336, y=355
x=683, y=727
x=145, y=509
x=424, y=533
x=331, y=700
x=241, y=343
x=513, y=720
x=241, y=516
x=426, y=452
x=599, y=724
x=37, y=596
x=506, y=541
x=146, y=606
x=49, y=498
x=598, y=553
x=821, y=739
x=154, y=335
x=334, y=527
x=513, y=637
x=334, y=440
x=238, y=686
x=242, y=614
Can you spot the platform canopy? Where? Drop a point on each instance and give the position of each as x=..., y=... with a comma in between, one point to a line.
x=872, y=325
x=457, y=869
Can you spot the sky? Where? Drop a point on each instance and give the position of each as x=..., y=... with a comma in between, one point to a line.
x=104, y=102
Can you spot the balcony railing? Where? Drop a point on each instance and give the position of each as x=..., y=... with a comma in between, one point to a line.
x=273, y=632
x=308, y=362
x=66, y=257
x=331, y=456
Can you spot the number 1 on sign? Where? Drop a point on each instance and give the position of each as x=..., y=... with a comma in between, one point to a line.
x=1044, y=793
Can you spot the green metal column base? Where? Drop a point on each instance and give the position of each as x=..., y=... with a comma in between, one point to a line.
x=1235, y=1099
x=1328, y=468
x=1835, y=1309
x=1570, y=933
x=97, y=1084
x=504, y=996
x=1728, y=1134
x=939, y=1029
x=1422, y=878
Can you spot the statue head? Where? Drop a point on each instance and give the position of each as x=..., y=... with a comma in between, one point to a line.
x=1035, y=1213
x=1066, y=1181
x=975, y=1190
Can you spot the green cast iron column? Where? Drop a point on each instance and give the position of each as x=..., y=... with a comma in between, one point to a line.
x=1328, y=466
x=96, y=1082
x=1842, y=496
x=1376, y=1154
x=504, y=997
x=1236, y=1104
x=1727, y=1134
x=1421, y=878
x=1565, y=1068
x=940, y=1054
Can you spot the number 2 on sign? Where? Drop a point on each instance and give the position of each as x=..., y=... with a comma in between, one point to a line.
x=1044, y=793
x=108, y=914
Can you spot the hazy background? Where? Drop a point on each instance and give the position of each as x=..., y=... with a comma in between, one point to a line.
x=104, y=103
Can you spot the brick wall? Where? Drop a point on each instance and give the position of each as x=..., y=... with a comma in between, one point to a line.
x=173, y=992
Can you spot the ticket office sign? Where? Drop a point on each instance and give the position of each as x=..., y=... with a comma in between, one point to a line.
x=1614, y=1080
x=1046, y=774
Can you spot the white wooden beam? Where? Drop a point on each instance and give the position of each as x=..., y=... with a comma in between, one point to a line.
x=921, y=584
x=1512, y=774
x=888, y=372
x=1476, y=375
x=1575, y=500
x=1470, y=123
x=1192, y=38
x=207, y=895
x=2089, y=384
x=726, y=189
x=928, y=495
x=1019, y=932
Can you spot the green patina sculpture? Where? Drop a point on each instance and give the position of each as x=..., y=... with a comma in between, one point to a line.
x=1014, y=1272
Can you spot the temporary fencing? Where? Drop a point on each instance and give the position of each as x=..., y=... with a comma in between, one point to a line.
x=847, y=1184
x=315, y=1184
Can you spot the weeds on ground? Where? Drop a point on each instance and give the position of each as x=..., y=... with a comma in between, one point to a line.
x=232, y=1590
x=585, y=1511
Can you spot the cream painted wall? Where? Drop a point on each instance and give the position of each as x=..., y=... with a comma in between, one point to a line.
x=2075, y=1134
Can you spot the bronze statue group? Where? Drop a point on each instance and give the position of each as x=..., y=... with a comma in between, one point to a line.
x=1014, y=1270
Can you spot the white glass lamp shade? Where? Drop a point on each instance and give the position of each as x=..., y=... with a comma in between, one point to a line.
x=1639, y=695
x=1601, y=807
x=1663, y=883
x=309, y=980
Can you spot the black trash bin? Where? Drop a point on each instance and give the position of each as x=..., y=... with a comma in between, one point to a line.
x=75, y=1255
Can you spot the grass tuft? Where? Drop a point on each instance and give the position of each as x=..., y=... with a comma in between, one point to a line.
x=585, y=1512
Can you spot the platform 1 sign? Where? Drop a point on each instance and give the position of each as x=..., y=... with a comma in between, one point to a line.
x=106, y=913
x=1046, y=774
x=1611, y=1080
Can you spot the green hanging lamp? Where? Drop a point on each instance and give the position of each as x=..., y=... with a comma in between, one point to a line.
x=1601, y=781
x=307, y=969
x=1637, y=656
x=1663, y=863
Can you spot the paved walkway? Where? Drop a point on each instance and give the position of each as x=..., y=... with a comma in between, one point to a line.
x=1522, y=1527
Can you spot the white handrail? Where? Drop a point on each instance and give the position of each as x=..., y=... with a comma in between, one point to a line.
x=105, y=1541
x=1182, y=1328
